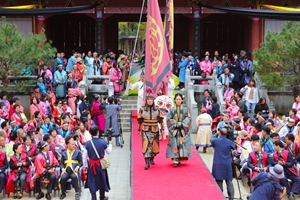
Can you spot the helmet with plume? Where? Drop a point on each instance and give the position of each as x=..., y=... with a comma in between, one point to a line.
x=149, y=93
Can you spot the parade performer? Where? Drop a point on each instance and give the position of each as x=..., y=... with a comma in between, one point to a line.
x=71, y=161
x=164, y=103
x=97, y=178
x=204, y=134
x=44, y=164
x=150, y=115
x=179, y=121
x=140, y=86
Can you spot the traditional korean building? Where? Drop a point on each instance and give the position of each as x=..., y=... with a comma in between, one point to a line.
x=197, y=29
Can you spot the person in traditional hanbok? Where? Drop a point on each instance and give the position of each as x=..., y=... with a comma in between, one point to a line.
x=44, y=164
x=148, y=119
x=97, y=64
x=97, y=179
x=73, y=93
x=296, y=105
x=29, y=149
x=3, y=165
x=205, y=66
x=41, y=85
x=81, y=68
x=34, y=106
x=246, y=71
x=107, y=65
x=47, y=71
x=55, y=138
x=140, y=86
x=65, y=108
x=112, y=110
x=89, y=62
x=179, y=146
x=48, y=125
x=84, y=132
x=229, y=92
x=19, y=164
x=75, y=74
x=204, y=134
x=98, y=107
x=3, y=112
x=5, y=101
x=116, y=78
x=18, y=116
x=71, y=161
x=15, y=101
x=233, y=108
x=71, y=61
x=60, y=77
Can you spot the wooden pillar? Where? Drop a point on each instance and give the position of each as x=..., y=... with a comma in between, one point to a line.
x=196, y=31
x=99, y=30
x=255, y=35
x=40, y=24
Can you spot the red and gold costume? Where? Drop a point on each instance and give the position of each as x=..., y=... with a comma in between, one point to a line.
x=10, y=187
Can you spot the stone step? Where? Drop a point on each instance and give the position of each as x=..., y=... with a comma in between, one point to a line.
x=124, y=102
x=130, y=106
x=129, y=97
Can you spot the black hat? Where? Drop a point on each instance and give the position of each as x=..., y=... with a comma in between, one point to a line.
x=264, y=116
x=236, y=120
x=15, y=98
x=42, y=144
x=258, y=126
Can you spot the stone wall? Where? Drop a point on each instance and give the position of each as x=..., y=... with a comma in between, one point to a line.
x=283, y=101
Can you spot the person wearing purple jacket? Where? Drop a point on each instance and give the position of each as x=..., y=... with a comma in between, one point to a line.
x=246, y=71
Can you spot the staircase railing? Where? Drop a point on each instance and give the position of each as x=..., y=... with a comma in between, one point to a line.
x=86, y=85
x=263, y=91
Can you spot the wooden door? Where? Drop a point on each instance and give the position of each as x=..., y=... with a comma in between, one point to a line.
x=71, y=32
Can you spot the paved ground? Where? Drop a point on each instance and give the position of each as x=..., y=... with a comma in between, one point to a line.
x=119, y=176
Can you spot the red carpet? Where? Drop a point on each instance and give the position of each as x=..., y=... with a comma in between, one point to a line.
x=162, y=181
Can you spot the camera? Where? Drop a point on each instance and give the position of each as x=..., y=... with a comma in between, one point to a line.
x=230, y=131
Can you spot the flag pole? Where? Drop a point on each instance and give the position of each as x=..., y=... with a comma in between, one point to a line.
x=135, y=42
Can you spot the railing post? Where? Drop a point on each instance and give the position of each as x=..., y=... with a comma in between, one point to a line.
x=110, y=89
x=187, y=78
x=83, y=83
x=192, y=105
x=219, y=94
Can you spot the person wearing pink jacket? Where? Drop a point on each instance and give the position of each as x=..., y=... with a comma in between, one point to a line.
x=56, y=139
x=233, y=108
x=48, y=72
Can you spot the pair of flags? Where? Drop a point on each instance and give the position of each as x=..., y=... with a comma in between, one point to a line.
x=159, y=47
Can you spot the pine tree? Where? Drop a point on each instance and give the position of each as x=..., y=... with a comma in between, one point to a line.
x=18, y=51
x=277, y=61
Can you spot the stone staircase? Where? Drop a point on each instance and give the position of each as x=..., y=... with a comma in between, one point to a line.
x=128, y=104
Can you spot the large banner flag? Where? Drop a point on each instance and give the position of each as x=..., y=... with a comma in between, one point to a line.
x=157, y=65
x=169, y=26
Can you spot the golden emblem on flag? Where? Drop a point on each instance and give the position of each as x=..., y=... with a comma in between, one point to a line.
x=157, y=45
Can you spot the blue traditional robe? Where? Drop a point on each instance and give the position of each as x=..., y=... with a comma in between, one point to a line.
x=42, y=87
x=182, y=68
x=71, y=63
x=98, y=179
x=60, y=77
x=179, y=144
x=112, y=111
x=222, y=168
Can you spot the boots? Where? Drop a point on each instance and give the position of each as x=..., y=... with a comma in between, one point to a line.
x=152, y=161
x=147, y=163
